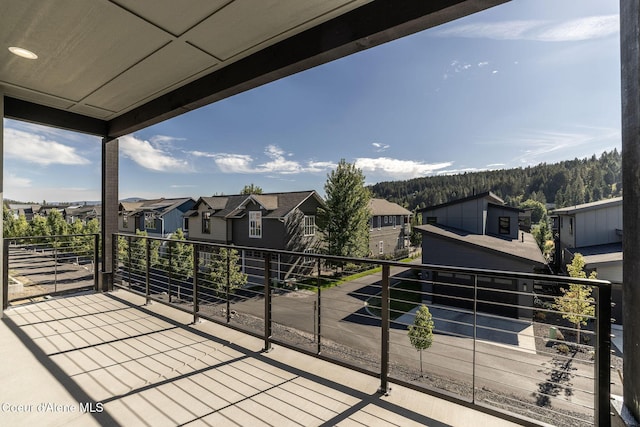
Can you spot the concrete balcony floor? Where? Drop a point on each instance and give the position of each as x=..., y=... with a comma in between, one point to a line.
x=65, y=357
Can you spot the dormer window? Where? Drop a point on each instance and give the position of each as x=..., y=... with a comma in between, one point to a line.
x=255, y=224
x=206, y=222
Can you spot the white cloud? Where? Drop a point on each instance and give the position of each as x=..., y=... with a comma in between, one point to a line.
x=13, y=181
x=380, y=147
x=483, y=64
x=149, y=156
x=398, y=169
x=586, y=28
x=35, y=148
x=233, y=163
x=279, y=162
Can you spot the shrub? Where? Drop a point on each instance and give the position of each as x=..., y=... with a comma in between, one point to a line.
x=562, y=348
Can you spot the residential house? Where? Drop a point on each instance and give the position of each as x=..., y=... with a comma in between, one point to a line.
x=390, y=228
x=83, y=213
x=283, y=221
x=479, y=231
x=595, y=231
x=158, y=217
x=29, y=211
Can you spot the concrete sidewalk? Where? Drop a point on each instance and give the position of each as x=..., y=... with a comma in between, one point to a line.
x=104, y=359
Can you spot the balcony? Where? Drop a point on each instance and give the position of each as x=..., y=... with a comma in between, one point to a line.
x=305, y=339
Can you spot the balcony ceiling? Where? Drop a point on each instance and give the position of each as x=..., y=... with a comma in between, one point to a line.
x=111, y=67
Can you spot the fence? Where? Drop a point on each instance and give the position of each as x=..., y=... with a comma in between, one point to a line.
x=46, y=265
x=508, y=343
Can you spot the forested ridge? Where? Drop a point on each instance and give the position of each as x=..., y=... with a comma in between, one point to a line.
x=567, y=183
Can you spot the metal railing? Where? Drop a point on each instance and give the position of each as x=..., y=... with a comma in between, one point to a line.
x=502, y=342
x=35, y=266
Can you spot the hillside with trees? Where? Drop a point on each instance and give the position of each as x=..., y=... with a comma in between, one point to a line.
x=566, y=183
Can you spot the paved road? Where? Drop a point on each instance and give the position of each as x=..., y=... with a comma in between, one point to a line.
x=34, y=273
x=501, y=364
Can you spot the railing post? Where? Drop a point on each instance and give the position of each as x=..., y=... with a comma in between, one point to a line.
x=55, y=264
x=384, y=308
x=5, y=274
x=602, y=402
x=196, y=262
x=129, y=259
x=228, y=285
x=267, y=302
x=96, y=268
x=170, y=275
x=475, y=337
x=147, y=270
x=319, y=309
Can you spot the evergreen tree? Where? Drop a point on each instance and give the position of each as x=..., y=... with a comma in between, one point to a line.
x=251, y=189
x=345, y=221
x=421, y=332
x=181, y=256
x=224, y=266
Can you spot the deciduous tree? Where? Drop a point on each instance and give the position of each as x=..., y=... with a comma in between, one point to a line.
x=421, y=332
x=576, y=303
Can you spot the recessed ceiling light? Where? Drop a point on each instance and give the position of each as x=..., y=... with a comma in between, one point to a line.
x=24, y=53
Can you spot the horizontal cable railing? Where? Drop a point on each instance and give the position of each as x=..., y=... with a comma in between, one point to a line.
x=528, y=347
x=36, y=266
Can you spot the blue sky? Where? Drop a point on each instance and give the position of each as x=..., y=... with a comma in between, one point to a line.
x=527, y=82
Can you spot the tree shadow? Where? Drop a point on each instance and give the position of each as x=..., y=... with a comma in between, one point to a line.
x=559, y=380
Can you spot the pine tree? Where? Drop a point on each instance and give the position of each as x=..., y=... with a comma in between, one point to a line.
x=421, y=332
x=224, y=266
x=345, y=221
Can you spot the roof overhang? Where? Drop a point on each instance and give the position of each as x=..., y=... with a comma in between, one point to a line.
x=113, y=67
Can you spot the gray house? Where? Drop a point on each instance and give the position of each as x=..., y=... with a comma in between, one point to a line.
x=595, y=231
x=479, y=232
x=281, y=221
x=389, y=229
x=158, y=217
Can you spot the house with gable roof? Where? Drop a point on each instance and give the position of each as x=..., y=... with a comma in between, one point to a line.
x=281, y=221
x=389, y=229
x=158, y=217
x=479, y=231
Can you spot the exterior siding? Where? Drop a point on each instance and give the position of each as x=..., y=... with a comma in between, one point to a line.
x=392, y=238
x=436, y=250
x=598, y=226
x=493, y=221
x=468, y=216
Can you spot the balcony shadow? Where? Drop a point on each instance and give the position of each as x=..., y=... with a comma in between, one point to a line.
x=141, y=366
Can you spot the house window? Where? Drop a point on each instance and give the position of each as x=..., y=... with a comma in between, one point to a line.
x=206, y=222
x=125, y=220
x=504, y=225
x=255, y=224
x=149, y=221
x=309, y=225
x=570, y=225
x=386, y=220
x=185, y=224
x=381, y=247
x=379, y=222
x=394, y=221
x=372, y=223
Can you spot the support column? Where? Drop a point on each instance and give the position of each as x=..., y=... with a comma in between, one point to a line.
x=3, y=276
x=630, y=68
x=109, y=210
